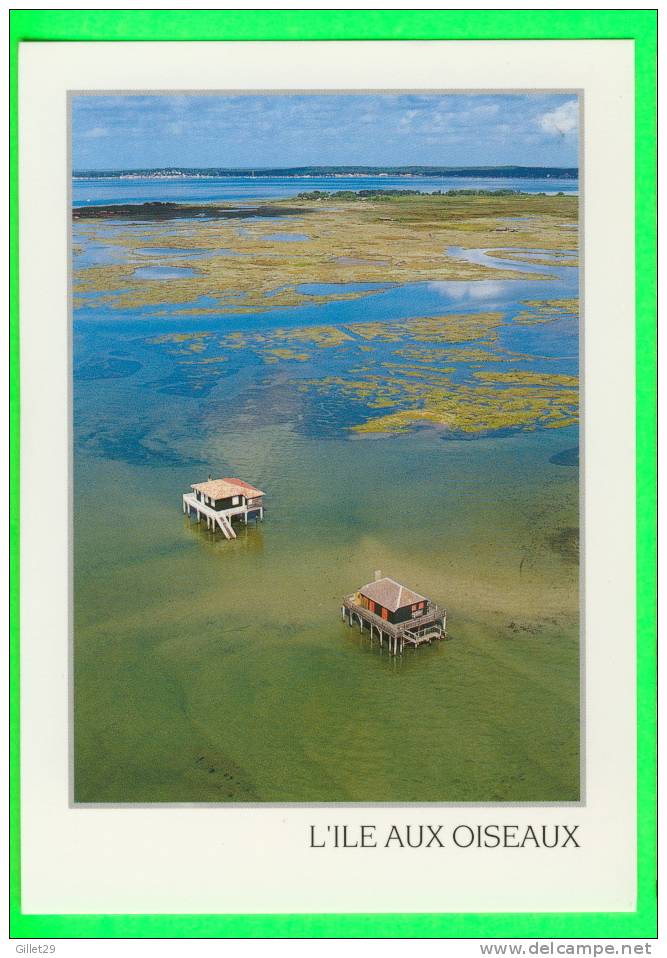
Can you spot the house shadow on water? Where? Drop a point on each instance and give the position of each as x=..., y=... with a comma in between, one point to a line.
x=249, y=538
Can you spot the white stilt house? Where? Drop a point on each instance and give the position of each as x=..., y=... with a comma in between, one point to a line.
x=219, y=501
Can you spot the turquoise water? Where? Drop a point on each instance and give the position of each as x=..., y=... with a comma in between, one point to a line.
x=230, y=189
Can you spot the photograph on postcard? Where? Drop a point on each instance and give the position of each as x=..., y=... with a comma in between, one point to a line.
x=325, y=441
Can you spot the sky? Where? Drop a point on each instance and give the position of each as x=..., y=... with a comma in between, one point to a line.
x=135, y=131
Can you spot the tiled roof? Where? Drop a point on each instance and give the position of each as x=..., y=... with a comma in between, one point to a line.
x=225, y=488
x=390, y=594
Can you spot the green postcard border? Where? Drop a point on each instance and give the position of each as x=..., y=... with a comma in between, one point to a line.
x=171, y=25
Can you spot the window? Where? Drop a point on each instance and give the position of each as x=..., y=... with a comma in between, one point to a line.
x=235, y=501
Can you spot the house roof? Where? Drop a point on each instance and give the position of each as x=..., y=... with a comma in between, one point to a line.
x=225, y=488
x=390, y=594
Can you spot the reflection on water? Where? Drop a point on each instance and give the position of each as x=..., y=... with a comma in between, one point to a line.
x=287, y=237
x=163, y=272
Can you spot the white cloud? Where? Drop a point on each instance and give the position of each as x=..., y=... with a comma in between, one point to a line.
x=96, y=132
x=561, y=121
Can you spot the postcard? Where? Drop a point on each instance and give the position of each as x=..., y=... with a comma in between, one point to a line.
x=327, y=479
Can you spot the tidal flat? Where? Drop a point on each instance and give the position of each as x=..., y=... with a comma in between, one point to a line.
x=394, y=240
x=403, y=384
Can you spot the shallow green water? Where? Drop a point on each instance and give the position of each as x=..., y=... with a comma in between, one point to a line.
x=215, y=671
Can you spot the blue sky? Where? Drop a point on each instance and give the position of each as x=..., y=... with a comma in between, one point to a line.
x=135, y=131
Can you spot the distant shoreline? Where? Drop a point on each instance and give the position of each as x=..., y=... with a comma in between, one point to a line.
x=333, y=172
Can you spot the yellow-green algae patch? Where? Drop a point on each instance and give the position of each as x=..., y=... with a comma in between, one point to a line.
x=546, y=311
x=450, y=328
x=417, y=376
x=559, y=305
x=177, y=338
x=322, y=337
x=471, y=409
x=274, y=355
x=207, y=361
x=375, y=391
x=543, y=259
x=525, y=378
x=466, y=354
x=185, y=342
